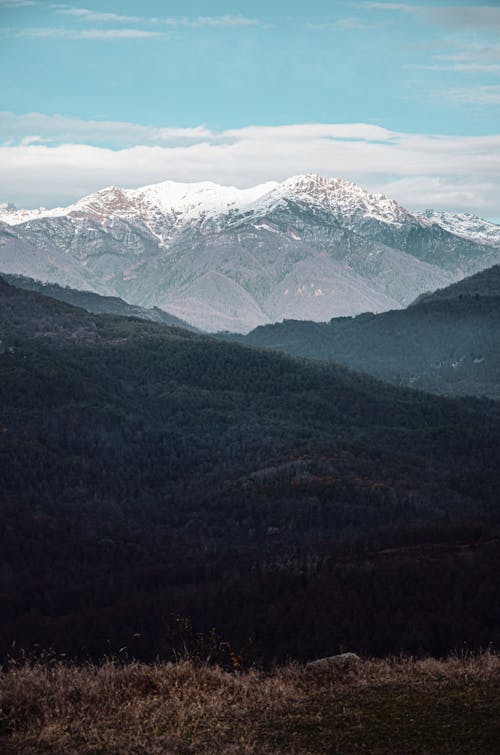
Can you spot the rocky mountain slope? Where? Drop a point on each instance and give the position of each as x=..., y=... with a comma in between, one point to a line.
x=223, y=258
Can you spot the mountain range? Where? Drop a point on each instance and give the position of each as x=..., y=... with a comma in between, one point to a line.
x=223, y=258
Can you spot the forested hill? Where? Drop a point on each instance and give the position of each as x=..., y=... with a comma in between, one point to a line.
x=483, y=284
x=147, y=472
x=446, y=342
x=95, y=303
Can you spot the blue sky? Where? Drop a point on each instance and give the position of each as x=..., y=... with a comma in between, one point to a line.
x=421, y=70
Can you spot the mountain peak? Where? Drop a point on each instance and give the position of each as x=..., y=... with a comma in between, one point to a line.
x=339, y=196
x=309, y=180
x=105, y=203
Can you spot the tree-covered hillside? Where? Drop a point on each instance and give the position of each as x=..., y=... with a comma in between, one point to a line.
x=148, y=472
x=95, y=303
x=446, y=342
x=486, y=283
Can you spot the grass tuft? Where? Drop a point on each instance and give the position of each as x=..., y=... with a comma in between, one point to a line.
x=397, y=705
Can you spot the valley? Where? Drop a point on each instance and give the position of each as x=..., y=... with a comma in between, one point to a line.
x=151, y=473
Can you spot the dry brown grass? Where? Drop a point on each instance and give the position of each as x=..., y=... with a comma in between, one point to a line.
x=386, y=706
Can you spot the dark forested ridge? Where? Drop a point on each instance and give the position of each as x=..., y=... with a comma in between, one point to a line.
x=486, y=283
x=148, y=473
x=95, y=303
x=446, y=342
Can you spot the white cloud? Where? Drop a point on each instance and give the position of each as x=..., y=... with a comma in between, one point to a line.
x=463, y=56
x=468, y=17
x=113, y=34
x=351, y=23
x=17, y=3
x=478, y=95
x=197, y=22
x=436, y=192
x=90, y=15
x=200, y=22
x=419, y=170
x=473, y=53
x=390, y=6
x=473, y=58
x=490, y=68
x=55, y=129
x=479, y=17
x=64, y=32
x=59, y=32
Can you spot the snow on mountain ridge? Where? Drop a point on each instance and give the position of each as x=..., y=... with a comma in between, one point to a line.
x=344, y=199
x=464, y=224
x=183, y=202
x=191, y=197
x=222, y=257
x=190, y=201
x=12, y=216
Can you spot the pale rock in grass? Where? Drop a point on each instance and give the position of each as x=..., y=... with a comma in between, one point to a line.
x=341, y=662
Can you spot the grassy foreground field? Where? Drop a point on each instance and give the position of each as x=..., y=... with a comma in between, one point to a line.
x=381, y=706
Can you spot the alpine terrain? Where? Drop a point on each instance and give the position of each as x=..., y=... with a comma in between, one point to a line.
x=224, y=258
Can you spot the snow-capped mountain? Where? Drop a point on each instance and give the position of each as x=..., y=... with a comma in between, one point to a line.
x=227, y=258
x=465, y=224
x=343, y=199
x=167, y=205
